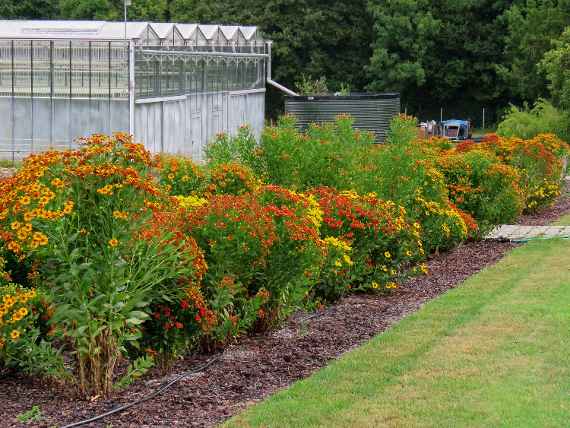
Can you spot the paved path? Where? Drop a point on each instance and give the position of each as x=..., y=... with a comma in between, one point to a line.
x=509, y=232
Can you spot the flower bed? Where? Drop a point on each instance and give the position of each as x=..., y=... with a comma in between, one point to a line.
x=114, y=261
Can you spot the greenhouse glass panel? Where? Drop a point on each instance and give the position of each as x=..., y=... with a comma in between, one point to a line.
x=173, y=86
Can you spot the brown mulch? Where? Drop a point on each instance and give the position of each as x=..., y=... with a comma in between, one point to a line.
x=258, y=366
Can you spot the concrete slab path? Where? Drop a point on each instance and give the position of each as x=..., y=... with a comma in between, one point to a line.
x=509, y=232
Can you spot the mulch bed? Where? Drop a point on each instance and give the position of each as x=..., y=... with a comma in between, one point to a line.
x=257, y=366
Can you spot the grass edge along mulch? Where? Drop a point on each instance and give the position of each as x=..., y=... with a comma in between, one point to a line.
x=492, y=352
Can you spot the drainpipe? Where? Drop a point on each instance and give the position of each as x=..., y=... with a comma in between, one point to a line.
x=273, y=82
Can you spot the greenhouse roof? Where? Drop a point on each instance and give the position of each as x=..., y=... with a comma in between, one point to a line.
x=144, y=31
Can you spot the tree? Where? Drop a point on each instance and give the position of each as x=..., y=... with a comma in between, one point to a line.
x=531, y=27
x=314, y=37
x=438, y=51
x=404, y=38
x=112, y=10
x=28, y=9
x=556, y=67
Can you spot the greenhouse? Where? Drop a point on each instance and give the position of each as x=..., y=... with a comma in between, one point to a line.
x=173, y=86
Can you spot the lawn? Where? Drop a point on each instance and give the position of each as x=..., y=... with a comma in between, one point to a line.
x=493, y=352
x=563, y=221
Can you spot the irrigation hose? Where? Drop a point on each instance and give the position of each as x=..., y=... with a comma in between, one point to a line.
x=147, y=397
x=166, y=386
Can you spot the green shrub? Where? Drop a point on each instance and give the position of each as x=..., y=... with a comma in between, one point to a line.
x=83, y=219
x=383, y=244
x=180, y=176
x=527, y=123
x=484, y=187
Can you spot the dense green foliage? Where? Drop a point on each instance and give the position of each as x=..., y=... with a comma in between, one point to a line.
x=527, y=122
x=112, y=260
x=556, y=65
x=459, y=54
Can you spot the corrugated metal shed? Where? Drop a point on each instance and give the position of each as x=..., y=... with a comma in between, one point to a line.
x=371, y=112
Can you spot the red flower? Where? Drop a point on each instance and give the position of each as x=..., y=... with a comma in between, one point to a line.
x=197, y=318
x=202, y=312
x=179, y=325
x=184, y=304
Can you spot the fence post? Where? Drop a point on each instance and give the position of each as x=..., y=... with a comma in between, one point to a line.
x=441, y=114
x=131, y=48
x=483, y=119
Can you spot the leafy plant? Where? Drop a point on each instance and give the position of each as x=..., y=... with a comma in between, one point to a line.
x=309, y=86
x=32, y=415
x=542, y=118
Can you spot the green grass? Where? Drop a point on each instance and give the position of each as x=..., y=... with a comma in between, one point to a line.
x=493, y=352
x=563, y=221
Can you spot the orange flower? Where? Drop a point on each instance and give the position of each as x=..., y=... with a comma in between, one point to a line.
x=113, y=242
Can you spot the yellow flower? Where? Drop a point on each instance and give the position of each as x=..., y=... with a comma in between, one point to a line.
x=40, y=238
x=347, y=260
x=57, y=182
x=338, y=243
x=22, y=234
x=29, y=216
x=14, y=247
x=350, y=194
x=113, y=242
x=15, y=225
x=391, y=285
x=106, y=190
x=25, y=200
x=190, y=202
x=375, y=285
x=8, y=301
x=387, y=254
x=171, y=176
x=424, y=268
x=23, y=312
x=68, y=207
x=408, y=253
x=15, y=334
x=120, y=215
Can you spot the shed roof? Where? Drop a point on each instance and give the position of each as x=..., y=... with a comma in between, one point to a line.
x=106, y=30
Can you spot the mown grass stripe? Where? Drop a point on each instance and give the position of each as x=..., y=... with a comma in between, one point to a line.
x=509, y=314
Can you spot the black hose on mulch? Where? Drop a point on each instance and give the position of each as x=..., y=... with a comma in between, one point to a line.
x=160, y=390
x=164, y=387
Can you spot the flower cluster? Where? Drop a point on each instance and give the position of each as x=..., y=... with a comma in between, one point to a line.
x=382, y=240
x=16, y=312
x=180, y=176
x=230, y=179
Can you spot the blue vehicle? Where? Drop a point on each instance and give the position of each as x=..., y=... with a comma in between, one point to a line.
x=456, y=130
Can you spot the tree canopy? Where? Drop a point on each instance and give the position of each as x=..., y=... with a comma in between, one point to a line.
x=435, y=52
